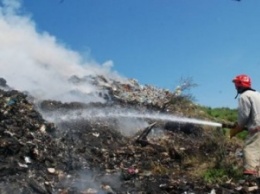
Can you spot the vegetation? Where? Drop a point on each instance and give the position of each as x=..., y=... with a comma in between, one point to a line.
x=225, y=114
x=220, y=175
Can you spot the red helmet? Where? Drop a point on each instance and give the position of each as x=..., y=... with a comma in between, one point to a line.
x=242, y=81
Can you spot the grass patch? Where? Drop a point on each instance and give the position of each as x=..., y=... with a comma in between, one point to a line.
x=220, y=175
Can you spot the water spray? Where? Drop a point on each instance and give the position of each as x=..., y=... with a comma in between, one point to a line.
x=165, y=117
x=124, y=113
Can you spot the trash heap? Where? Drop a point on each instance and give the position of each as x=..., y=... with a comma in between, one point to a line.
x=91, y=157
x=129, y=91
x=146, y=95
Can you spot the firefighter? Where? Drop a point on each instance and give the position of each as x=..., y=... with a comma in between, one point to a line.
x=248, y=118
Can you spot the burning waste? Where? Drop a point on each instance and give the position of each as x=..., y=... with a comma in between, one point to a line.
x=55, y=147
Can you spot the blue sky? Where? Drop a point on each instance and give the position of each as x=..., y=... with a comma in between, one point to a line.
x=158, y=42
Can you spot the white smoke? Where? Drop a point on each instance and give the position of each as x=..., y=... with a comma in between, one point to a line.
x=36, y=62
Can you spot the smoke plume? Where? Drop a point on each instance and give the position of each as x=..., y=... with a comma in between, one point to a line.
x=36, y=62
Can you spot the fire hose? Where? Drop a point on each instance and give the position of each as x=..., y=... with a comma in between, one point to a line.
x=229, y=125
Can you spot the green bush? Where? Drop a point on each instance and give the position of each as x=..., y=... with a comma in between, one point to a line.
x=226, y=114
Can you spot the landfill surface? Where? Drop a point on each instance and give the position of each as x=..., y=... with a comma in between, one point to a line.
x=52, y=147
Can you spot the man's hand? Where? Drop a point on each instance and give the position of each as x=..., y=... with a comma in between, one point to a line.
x=235, y=130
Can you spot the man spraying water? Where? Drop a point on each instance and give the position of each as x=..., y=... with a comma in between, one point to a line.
x=248, y=117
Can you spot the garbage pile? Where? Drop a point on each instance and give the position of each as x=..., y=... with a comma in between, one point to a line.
x=91, y=157
x=129, y=91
